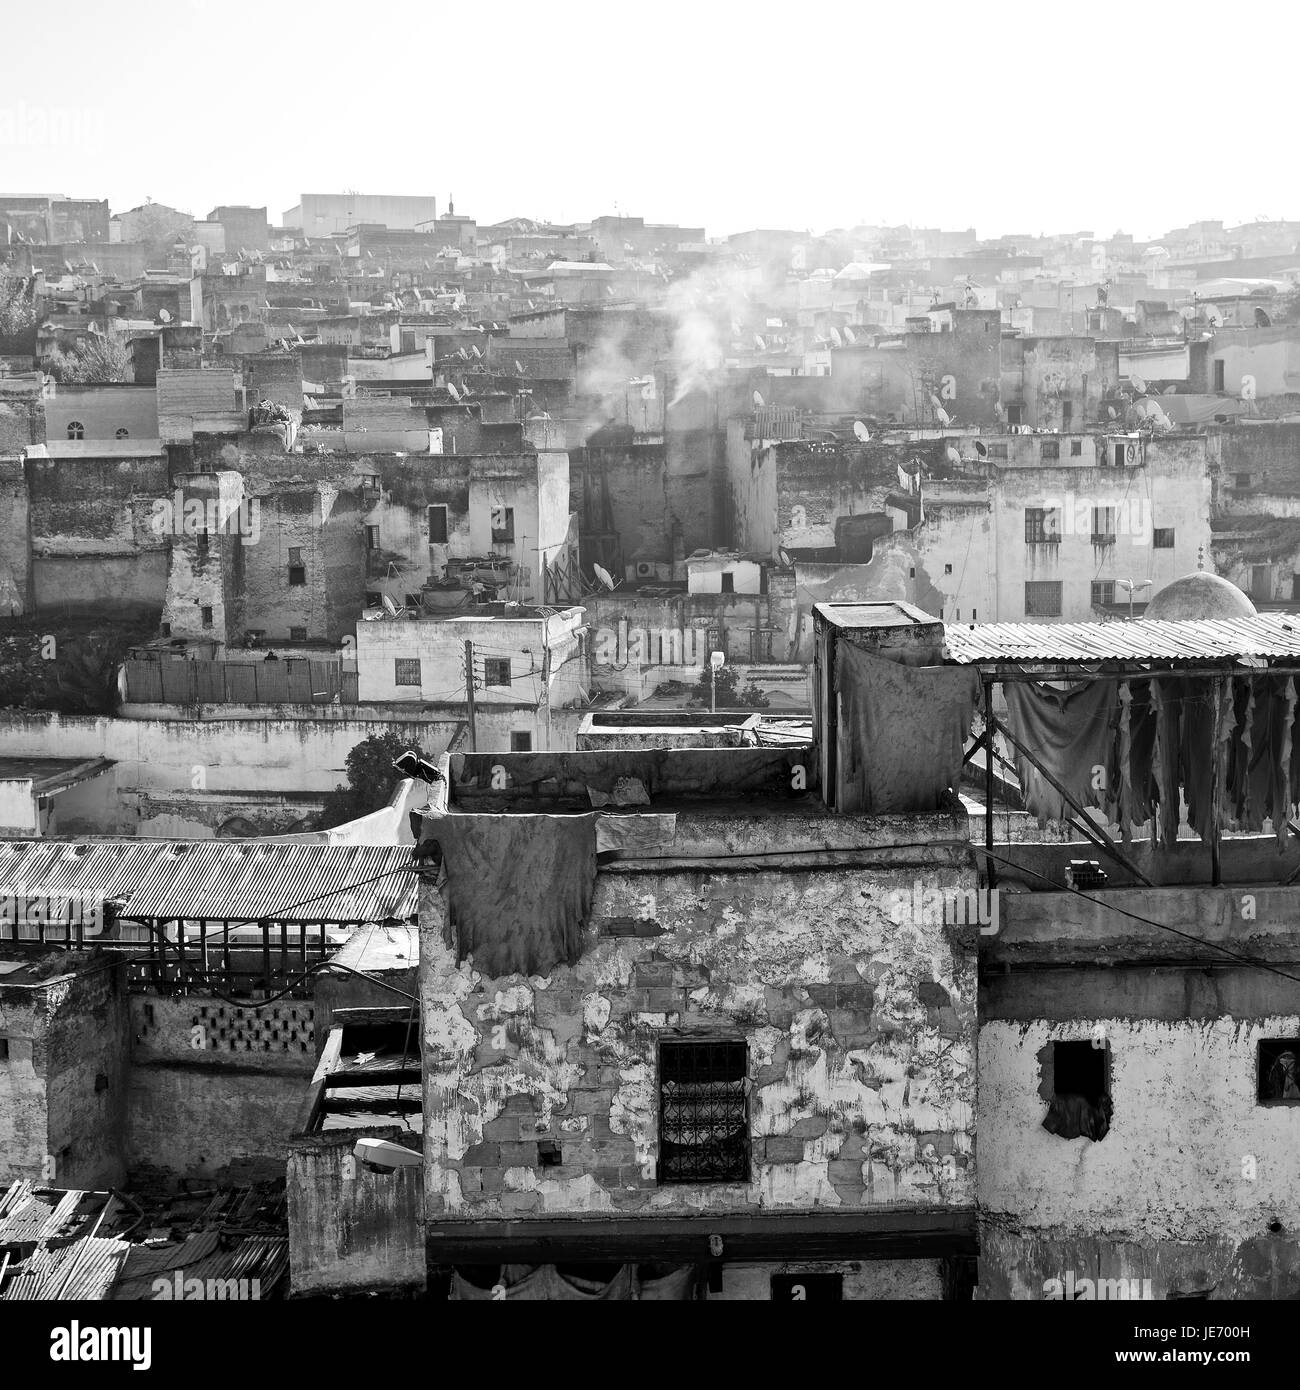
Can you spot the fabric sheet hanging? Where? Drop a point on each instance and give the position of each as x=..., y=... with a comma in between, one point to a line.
x=1073, y=734
x=902, y=731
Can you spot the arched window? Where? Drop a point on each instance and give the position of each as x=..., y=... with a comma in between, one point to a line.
x=76, y=430
x=122, y=433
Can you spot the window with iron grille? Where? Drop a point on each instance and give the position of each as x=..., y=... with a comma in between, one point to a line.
x=1049, y=449
x=703, y=1112
x=496, y=671
x=297, y=634
x=1162, y=538
x=1103, y=592
x=406, y=670
x=1043, y=598
x=1042, y=526
x=997, y=451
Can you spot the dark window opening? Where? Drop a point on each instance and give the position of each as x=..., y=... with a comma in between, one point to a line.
x=1014, y=413
x=121, y=433
x=1243, y=480
x=101, y=1082
x=202, y=539
x=166, y=629
x=947, y=569
x=205, y=616
x=437, y=525
x=1162, y=538
x=4, y=1049
x=372, y=537
x=503, y=524
x=1080, y=1103
x=1049, y=449
x=807, y=1288
x=1067, y=415
x=297, y=574
x=76, y=430
x=496, y=671
x=1218, y=374
x=703, y=1112
x=728, y=582
x=297, y=634
x=549, y=1154
x=521, y=741
x=1278, y=1082
x=1076, y=448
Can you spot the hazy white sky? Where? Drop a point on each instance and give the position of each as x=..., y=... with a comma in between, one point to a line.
x=1009, y=117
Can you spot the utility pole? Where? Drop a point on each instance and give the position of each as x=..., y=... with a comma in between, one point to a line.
x=469, y=694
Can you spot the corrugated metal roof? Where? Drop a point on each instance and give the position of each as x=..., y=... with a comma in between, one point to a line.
x=234, y=880
x=1270, y=636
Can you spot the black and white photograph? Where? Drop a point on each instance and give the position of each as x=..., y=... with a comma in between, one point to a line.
x=648, y=653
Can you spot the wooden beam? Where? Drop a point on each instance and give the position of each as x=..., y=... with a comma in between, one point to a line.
x=881, y=1235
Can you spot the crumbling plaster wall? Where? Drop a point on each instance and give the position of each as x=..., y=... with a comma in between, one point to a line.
x=860, y=1037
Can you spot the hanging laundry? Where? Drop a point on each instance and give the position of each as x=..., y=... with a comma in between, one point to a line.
x=1073, y=733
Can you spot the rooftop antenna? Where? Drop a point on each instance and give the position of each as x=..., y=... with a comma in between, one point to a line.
x=860, y=431
x=389, y=606
x=602, y=574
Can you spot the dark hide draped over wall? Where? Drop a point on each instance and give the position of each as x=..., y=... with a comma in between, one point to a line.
x=902, y=731
x=1072, y=732
x=533, y=1283
x=519, y=888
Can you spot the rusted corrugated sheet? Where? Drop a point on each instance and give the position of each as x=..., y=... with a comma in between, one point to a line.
x=1272, y=636
x=220, y=879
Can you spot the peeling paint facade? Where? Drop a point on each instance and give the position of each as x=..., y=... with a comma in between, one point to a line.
x=542, y=1094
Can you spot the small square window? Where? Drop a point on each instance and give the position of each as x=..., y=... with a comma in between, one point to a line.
x=406, y=670
x=297, y=634
x=1243, y=480
x=549, y=1154
x=521, y=741
x=205, y=615
x=496, y=671
x=1078, y=1089
x=1042, y=526
x=1103, y=592
x=1162, y=538
x=1049, y=450
x=503, y=524
x=1076, y=448
x=947, y=569
x=703, y=1112
x=1043, y=598
x=297, y=574
x=1279, y=1071
x=166, y=629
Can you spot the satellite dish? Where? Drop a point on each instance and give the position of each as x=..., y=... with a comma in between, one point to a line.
x=952, y=455
x=604, y=576
x=1170, y=391
x=850, y=334
x=981, y=449
x=783, y=555
x=164, y=316
x=519, y=366
x=1111, y=412
x=759, y=343
x=451, y=387
x=758, y=400
x=389, y=605
x=1139, y=385
x=942, y=416
x=860, y=431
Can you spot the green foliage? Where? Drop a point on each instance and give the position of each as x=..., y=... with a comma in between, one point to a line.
x=18, y=306
x=70, y=668
x=728, y=696
x=90, y=362
x=371, y=780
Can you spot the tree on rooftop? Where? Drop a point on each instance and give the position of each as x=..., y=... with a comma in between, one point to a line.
x=18, y=306
x=371, y=780
x=727, y=692
x=90, y=362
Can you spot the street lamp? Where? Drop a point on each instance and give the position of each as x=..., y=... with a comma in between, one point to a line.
x=716, y=662
x=1130, y=585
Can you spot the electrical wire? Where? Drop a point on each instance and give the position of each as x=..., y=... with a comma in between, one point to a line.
x=1138, y=917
